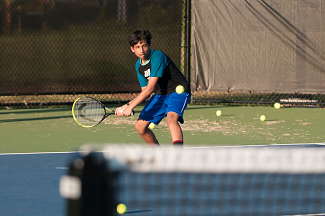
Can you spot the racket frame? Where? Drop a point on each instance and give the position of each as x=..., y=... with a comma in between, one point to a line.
x=102, y=105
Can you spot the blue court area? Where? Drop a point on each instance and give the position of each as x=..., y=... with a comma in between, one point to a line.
x=29, y=184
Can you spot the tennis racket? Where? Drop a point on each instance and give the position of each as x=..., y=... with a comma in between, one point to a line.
x=89, y=112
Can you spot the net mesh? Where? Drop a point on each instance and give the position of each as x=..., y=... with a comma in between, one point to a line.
x=218, y=181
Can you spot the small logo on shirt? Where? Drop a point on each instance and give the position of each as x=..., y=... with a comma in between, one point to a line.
x=147, y=73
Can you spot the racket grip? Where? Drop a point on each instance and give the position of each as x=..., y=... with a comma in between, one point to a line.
x=132, y=113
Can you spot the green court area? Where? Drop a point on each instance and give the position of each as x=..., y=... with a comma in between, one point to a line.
x=54, y=130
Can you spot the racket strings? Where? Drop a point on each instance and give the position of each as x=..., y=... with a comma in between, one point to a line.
x=89, y=112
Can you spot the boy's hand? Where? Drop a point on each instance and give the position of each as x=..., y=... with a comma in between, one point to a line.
x=124, y=111
x=119, y=110
x=127, y=111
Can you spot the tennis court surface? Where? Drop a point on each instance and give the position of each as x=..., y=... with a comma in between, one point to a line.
x=30, y=182
x=54, y=130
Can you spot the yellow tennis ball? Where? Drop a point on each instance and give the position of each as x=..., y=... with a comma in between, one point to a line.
x=218, y=113
x=121, y=208
x=277, y=106
x=262, y=117
x=152, y=126
x=180, y=89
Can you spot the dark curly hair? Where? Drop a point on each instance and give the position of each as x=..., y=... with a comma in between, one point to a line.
x=138, y=35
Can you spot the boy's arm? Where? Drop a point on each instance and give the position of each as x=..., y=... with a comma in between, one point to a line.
x=145, y=93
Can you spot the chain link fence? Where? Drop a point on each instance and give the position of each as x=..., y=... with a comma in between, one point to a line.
x=296, y=99
x=55, y=50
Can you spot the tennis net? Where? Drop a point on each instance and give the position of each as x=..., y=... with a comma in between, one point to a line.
x=217, y=181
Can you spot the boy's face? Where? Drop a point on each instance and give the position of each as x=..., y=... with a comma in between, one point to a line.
x=142, y=50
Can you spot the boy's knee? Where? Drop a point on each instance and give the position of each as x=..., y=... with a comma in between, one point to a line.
x=172, y=117
x=140, y=128
x=137, y=126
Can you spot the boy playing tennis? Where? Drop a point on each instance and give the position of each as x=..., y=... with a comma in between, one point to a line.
x=156, y=73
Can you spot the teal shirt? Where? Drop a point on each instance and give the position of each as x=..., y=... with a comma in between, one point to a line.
x=160, y=65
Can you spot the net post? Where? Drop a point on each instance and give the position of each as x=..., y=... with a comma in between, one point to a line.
x=96, y=187
x=188, y=26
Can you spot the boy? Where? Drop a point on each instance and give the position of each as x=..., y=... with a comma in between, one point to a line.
x=156, y=73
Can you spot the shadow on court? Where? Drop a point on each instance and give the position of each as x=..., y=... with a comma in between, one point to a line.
x=30, y=111
x=205, y=107
x=35, y=119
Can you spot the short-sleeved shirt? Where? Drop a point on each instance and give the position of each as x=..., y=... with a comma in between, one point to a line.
x=160, y=65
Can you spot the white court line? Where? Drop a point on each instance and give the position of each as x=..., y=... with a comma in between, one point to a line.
x=32, y=153
x=235, y=146
x=62, y=168
x=198, y=147
x=306, y=214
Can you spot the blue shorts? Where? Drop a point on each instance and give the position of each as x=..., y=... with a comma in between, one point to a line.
x=159, y=105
